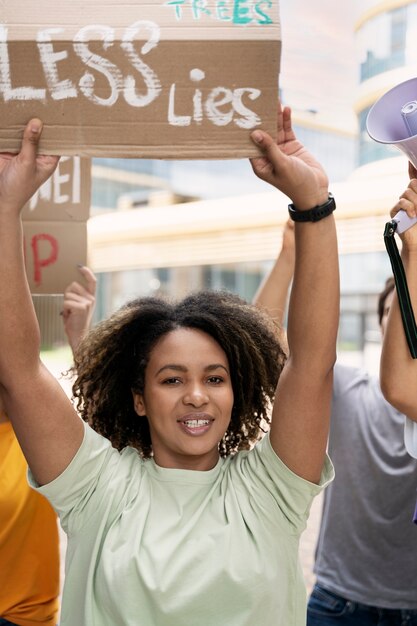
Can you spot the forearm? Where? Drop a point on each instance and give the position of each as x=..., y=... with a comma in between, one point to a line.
x=19, y=329
x=272, y=294
x=398, y=370
x=314, y=305
x=301, y=408
x=46, y=424
x=301, y=413
x=74, y=340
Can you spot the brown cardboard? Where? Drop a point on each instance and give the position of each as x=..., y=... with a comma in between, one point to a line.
x=55, y=230
x=66, y=196
x=170, y=79
x=52, y=251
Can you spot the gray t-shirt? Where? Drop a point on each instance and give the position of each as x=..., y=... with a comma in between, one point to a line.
x=367, y=546
x=410, y=437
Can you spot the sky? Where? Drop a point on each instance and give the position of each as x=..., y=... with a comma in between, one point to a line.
x=318, y=64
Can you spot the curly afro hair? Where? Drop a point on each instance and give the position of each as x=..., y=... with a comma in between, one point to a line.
x=112, y=359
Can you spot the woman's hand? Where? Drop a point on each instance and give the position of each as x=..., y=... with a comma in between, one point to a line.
x=22, y=174
x=288, y=166
x=408, y=203
x=78, y=308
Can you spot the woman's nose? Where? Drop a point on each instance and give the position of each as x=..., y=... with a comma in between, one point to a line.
x=196, y=395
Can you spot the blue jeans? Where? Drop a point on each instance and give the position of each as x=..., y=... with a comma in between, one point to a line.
x=325, y=608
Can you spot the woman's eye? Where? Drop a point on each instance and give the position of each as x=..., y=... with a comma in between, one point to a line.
x=216, y=380
x=171, y=381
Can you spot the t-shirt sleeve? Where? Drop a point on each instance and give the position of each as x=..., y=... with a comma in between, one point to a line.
x=410, y=437
x=92, y=483
x=280, y=495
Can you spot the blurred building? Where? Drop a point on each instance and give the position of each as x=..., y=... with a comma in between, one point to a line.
x=171, y=226
x=140, y=207
x=386, y=36
x=150, y=225
x=386, y=50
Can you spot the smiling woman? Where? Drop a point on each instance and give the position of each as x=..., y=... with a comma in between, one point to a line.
x=187, y=393
x=183, y=362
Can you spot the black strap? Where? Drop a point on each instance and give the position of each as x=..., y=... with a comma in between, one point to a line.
x=403, y=295
x=313, y=215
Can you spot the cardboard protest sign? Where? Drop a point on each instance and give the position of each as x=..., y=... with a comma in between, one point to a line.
x=155, y=79
x=52, y=251
x=55, y=227
x=66, y=196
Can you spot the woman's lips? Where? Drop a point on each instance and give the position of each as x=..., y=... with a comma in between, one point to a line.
x=196, y=425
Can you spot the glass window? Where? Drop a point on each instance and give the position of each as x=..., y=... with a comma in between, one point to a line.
x=107, y=194
x=119, y=181
x=146, y=166
x=411, y=35
x=382, y=41
x=336, y=152
x=363, y=273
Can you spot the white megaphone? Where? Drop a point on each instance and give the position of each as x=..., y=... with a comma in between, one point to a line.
x=393, y=120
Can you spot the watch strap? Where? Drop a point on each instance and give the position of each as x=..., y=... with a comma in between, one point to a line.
x=315, y=214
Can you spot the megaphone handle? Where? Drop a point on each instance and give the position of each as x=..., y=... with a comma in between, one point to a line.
x=404, y=300
x=403, y=221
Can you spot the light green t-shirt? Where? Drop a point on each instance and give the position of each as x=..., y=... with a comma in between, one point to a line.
x=150, y=546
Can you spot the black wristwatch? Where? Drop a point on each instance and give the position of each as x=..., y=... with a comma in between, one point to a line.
x=313, y=215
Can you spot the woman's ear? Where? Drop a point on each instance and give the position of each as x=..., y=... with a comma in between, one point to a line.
x=138, y=403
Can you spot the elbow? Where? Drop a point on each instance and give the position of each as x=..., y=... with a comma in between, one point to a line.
x=391, y=388
x=388, y=390
x=318, y=367
x=325, y=367
x=332, y=361
x=328, y=374
x=326, y=364
x=400, y=396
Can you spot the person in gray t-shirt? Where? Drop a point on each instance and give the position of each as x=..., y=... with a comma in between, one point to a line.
x=366, y=564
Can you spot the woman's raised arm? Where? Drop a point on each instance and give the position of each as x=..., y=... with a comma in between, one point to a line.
x=301, y=412
x=46, y=424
